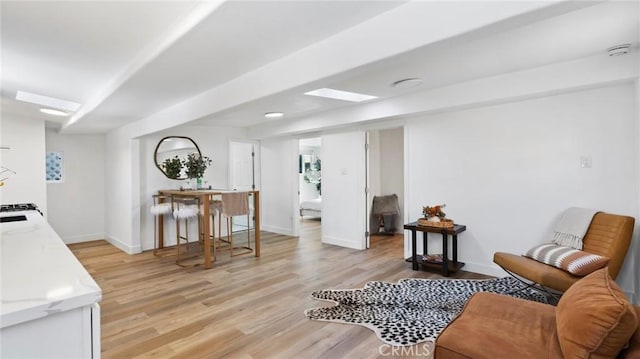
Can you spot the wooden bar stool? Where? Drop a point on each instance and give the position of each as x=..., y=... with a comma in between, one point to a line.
x=185, y=208
x=215, y=209
x=236, y=204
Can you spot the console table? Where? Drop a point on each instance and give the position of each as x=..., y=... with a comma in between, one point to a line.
x=446, y=266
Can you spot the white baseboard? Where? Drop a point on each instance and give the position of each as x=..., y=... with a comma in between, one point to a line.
x=83, y=238
x=486, y=269
x=277, y=230
x=122, y=245
x=341, y=242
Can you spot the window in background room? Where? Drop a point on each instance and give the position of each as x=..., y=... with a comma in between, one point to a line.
x=54, y=167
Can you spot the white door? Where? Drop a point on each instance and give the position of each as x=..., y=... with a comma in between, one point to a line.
x=242, y=174
x=343, y=189
x=242, y=165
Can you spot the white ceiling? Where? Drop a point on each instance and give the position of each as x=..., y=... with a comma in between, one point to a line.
x=129, y=61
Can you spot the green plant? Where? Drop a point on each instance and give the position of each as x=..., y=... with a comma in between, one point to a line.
x=172, y=167
x=195, y=165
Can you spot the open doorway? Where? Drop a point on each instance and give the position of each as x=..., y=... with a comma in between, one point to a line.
x=341, y=173
x=310, y=185
x=386, y=183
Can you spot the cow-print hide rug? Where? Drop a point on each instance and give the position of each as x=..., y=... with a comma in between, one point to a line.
x=410, y=311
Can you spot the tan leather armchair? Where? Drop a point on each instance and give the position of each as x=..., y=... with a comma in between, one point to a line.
x=609, y=235
x=593, y=319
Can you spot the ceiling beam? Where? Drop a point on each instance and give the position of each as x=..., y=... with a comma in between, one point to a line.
x=146, y=56
x=399, y=30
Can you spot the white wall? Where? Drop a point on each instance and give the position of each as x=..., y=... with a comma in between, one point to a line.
x=635, y=246
x=279, y=178
x=76, y=205
x=26, y=157
x=119, y=200
x=508, y=171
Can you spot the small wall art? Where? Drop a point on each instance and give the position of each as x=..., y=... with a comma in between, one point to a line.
x=54, y=169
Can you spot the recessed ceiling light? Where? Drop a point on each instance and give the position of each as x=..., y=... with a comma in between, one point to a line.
x=47, y=101
x=618, y=49
x=406, y=83
x=51, y=111
x=340, y=95
x=273, y=114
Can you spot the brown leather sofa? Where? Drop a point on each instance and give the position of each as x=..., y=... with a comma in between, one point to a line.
x=593, y=319
x=609, y=235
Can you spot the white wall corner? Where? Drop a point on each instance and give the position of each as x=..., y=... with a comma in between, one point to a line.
x=342, y=242
x=83, y=238
x=277, y=230
x=136, y=183
x=123, y=246
x=636, y=256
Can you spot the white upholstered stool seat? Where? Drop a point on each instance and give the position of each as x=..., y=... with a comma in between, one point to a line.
x=161, y=206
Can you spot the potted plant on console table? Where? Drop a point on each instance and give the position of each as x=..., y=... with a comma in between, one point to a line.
x=195, y=165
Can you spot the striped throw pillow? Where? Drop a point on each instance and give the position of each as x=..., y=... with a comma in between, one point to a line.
x=574, y=261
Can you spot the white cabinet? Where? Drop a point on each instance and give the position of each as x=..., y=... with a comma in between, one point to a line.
x=49, y=306
x=67, y=335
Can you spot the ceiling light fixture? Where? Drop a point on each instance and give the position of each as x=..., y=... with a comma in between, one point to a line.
x=618, y=50
x=340, y=95
x=406, y=83
x=51, y=111
x=273, y=114
x=47, y=101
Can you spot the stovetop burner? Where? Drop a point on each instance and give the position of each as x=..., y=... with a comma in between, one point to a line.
x=18, y=207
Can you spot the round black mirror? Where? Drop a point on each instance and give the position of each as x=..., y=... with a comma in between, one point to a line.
x=170, y=152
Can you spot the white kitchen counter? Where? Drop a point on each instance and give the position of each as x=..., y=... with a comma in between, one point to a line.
x=40, y=277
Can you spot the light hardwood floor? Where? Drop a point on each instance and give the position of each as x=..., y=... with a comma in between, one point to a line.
x=244, y=307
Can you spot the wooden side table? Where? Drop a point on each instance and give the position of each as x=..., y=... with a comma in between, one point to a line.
x=446, y=266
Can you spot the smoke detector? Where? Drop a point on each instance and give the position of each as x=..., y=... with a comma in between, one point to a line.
x=618, y=50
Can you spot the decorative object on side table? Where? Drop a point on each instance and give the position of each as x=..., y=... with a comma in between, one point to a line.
x=195, y=165
x=435, y=217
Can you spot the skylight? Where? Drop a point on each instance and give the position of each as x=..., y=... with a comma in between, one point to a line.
x=51, y=111
x=340, y=95
x=47, y=101
x=273, y=114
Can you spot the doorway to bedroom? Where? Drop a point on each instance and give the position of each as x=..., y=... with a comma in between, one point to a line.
x=385, y=177
x=357, y=162
x=310, y=185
